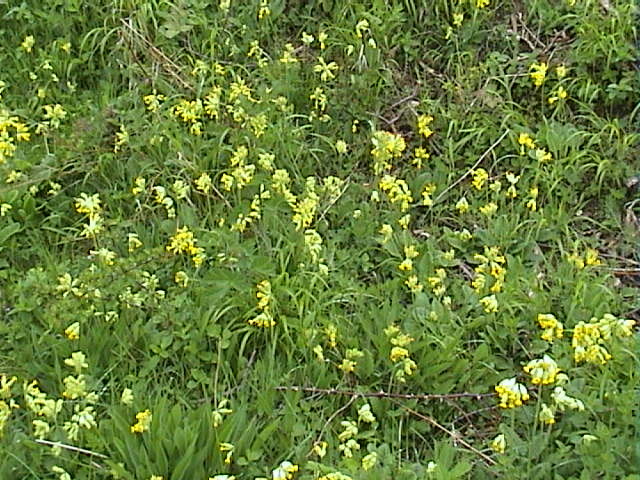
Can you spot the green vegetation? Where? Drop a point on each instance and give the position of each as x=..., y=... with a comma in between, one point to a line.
x=320, y=239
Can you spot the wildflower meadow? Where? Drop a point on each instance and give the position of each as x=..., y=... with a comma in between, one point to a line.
x=319, y=240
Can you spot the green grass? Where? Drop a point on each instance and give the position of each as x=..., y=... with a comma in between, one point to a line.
x=390, y=204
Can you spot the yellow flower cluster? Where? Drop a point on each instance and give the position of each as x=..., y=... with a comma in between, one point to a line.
x=313, y=244
x=538, y=73
x=489, y=304
x=153, y=101
x=347, y=438
x=397, y=190
x=480, y=176
x=285, y=471
x=325, y=69
x=419, y=155
x=512, y=394
x=428, y=190
x=512, y=179
x=543, y=370
x=498, y=444
x=590, y=259
x=561, y=401
x=53, y=115
x=410, y=252
x=588, y=340
x=552, y=328
x=436, y=282
x=265, y=318
x=304, y=210
x=241, y=173
x=559, y=94
x=255, y=211
x=90, y=206
x=386, y=147
x=399, y=354
x=525, y=140
x=335, y=476
x=143, y=422
x=7, y=404
x=491, y=264
x=11, y=131
x=184, y=242
x=423, y=125
x=190, y=112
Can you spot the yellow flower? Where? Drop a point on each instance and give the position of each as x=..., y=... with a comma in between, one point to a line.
x=28, y=43
x=462, y=205
x=77, y=361
x=546, y=415
x=498, y=444
x=489, y=304
x=73, y=331
x=264, y=11
x=406, y=265
x=543, y=371
x=127, y=396
x=404, y=221
x=562, y=400
x=183, y=242
x=538, y=72
x=413, y=284
x=4, y=208
x=325, y=69
x=419, y=155
x=561, y=71
x=387, y=146
x=143, y=422
x=489, y=209
x=511, y=393
x=369, y=461
x=288, y=54
x=133, y=242
x=480, y=176
x=89, y=205
x=423, y=125
x=320, y=449
x=560, y=94
x=74, y=387
x=398, y=353
x=591, y=257
x=181, y=278
x=552, y=327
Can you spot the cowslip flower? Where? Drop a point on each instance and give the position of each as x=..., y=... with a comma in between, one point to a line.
x=462, y=205
x=512, y=394
x=143, y=422
x=369, y=461
x=543, y=371
x=285, y=471
x=73, y=331
x=552, y=328
x=489, y=304
x=538, y=73
x=423, y=125
x=480, y=176
x=498, y=444
x=546, y=415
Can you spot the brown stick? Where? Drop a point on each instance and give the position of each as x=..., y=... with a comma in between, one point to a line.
x=468, y=172
x=455, y=436
x=71, y=448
